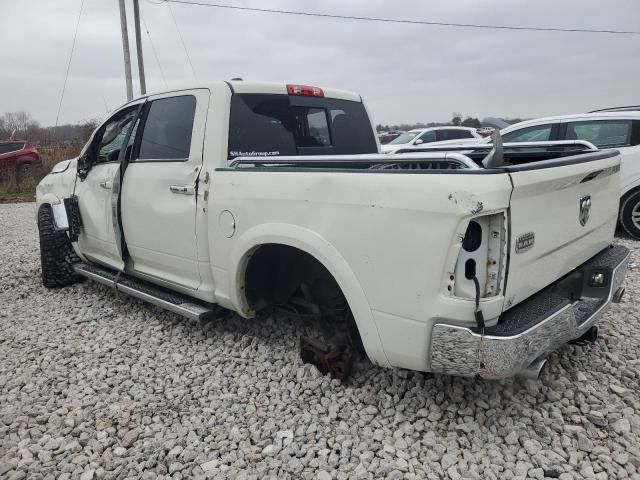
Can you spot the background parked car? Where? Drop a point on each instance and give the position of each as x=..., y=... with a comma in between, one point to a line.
x=485, y=131
x=420, y=136
x=386, y=137
x=611, y=128
x=18, y=156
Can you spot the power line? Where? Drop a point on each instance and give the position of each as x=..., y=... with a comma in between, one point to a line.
x=66, y=77
x=153, y=49
x=182, y=41
x=403, y=21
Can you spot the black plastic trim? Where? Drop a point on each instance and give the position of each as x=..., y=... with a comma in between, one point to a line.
x=458, y=171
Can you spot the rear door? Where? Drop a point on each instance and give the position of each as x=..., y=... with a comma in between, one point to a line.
x=562, y=213
x=159, y=188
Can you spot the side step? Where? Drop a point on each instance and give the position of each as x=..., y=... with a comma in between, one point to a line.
x=159, y=296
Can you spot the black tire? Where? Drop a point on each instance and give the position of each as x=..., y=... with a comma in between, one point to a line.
x=629, y=207
x=56, y=253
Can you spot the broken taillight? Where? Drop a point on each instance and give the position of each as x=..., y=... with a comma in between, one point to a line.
x=305, y=91
x=482, y=255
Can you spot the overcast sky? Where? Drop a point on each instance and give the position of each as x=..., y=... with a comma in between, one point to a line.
x=407, y=73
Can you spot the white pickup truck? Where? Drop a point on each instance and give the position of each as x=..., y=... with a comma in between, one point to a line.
x=250, y=196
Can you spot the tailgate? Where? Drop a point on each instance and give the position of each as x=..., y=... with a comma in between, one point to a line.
x=563, y=212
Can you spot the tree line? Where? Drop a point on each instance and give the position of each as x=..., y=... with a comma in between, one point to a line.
x=457, y=119
x=22, y=126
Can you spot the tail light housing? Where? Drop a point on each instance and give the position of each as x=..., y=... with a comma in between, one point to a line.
x=482, y=254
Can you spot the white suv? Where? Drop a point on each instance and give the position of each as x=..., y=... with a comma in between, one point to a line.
x=419, y=136
x=610, y=128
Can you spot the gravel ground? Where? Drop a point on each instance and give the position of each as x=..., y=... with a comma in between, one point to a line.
x=93, y=386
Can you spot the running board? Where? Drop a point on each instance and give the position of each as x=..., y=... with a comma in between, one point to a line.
x=159, y=296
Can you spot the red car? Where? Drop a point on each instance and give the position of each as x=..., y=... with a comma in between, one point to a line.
x=18, y=155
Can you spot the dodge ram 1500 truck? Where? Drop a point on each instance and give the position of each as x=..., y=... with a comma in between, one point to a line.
x=249, y=196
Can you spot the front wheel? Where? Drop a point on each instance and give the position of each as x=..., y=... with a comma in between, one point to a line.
x=25, y=171
x=56, y=253
x=630, y=214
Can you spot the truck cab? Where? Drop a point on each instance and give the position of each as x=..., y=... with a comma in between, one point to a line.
x=147, y=167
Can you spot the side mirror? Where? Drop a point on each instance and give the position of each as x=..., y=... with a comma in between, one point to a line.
x=418, y=142
x=84, y=165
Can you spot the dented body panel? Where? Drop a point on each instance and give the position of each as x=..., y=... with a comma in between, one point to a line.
x=396, y=237
x=392, y=240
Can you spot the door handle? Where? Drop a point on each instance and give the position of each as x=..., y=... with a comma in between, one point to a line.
x=182, y=189
x=106, y=184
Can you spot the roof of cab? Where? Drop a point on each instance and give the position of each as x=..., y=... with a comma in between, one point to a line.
x=245, y=86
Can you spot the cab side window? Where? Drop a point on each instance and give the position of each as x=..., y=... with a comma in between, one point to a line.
x=166, y=133
x=10, y=147
x=538, y=133
x=428, y=137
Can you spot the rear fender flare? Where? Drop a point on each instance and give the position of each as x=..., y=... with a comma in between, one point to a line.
x=318, y=247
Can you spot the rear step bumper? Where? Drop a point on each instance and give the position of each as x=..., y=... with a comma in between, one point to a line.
x=531, y=330
x=162, y=297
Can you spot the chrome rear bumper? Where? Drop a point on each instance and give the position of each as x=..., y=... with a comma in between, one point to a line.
x=534, y=328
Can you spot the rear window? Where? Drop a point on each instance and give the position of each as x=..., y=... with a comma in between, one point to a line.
x=537, y=133
x=269, y=125
x=10, y=147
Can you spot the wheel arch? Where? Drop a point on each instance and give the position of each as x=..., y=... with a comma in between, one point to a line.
x=629, y=190
x=322, y=251
x=46, y=199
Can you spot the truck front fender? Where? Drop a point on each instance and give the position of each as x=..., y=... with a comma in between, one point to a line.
x=323, y=251
x=48, y=199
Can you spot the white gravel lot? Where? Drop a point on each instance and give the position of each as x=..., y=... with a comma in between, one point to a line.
x=94, y=386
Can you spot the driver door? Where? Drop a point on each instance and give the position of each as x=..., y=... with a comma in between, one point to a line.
x=97, y=193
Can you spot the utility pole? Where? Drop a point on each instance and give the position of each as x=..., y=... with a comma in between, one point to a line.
x=125, y=49
x=136, y=18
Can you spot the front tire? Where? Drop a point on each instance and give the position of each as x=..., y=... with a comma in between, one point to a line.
x=56, y=253
x=25, y=172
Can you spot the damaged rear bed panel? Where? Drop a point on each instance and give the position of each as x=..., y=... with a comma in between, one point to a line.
x=398, y=235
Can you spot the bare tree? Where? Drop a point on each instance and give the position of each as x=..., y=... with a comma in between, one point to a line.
x=17, y=123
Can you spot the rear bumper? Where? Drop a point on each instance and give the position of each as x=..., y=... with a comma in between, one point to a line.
x=561, y=312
